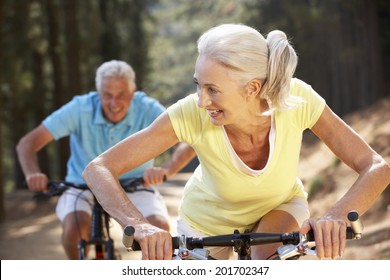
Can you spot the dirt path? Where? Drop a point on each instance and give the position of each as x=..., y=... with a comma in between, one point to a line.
x=31, y=230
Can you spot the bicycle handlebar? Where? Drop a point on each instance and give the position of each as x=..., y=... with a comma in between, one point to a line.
x=229, y=240
x=56, y=188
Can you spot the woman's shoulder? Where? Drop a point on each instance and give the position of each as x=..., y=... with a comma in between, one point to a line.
x=311, y=106
x=299, y=87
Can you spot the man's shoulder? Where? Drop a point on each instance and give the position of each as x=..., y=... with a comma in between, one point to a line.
x=142, y=96
x=91, y=96
x=87, y=101
x=142, y=99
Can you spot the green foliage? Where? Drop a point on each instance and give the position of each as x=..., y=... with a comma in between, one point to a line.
x=176, y=27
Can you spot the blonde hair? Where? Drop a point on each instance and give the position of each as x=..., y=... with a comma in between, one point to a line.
x=246, y=52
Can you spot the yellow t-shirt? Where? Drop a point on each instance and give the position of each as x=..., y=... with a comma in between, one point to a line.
x=219, y=197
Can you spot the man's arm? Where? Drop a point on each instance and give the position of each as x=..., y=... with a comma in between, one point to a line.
x=27, y=149
x=181, y=156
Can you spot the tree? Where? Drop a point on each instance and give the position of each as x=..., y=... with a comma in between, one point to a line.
x=337, y=44
x=49, y=54
x=2, y=210
x=176, y=27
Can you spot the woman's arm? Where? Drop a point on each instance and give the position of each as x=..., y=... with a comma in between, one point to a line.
x=346, y=144
x=374, y=177
x=102, y=176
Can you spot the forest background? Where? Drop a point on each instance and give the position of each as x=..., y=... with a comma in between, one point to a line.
x=50, y=49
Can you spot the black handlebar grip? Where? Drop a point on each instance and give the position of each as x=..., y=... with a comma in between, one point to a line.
x=130, y=244
x=175, y=242
x=350, y=234
x=136, y=246
x=310, y=235
x=353, y=232
x=128, y=237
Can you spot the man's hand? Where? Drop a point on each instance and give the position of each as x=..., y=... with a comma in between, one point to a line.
x=37, y=182
x=154, y=176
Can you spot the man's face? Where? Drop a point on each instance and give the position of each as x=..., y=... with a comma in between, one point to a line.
x=116, y=96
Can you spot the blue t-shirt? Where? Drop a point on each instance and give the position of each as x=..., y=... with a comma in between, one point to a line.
x=91, y=134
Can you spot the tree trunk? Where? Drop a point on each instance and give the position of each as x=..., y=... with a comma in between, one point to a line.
x=59, y=96
x=72, y=48
x=73, y=64
x=109, y=41
x=2, y=181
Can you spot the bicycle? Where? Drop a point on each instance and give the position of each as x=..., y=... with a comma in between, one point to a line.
x=295, y=244
x=100, y=240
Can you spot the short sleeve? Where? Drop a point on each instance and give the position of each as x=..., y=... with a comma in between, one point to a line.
x=63, y=121
x=308, y=112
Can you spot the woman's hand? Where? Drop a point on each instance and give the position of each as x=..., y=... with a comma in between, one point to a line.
x=329, y=235
x=156, y=244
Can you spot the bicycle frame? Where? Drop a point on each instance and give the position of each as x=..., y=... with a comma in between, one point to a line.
x=100, y=238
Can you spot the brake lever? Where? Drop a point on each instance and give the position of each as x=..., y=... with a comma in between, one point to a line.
x=194, y=254
x=305, y=247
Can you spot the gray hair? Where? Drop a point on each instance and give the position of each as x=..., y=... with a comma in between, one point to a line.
x=246, y=52
x=115, y=69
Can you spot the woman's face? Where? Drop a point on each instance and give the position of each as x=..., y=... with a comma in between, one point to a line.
x=218, y=93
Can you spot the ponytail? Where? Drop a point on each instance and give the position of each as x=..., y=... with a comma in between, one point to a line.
x=282, y=62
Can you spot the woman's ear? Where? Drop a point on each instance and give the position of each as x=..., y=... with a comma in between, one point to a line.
x=254, y=87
